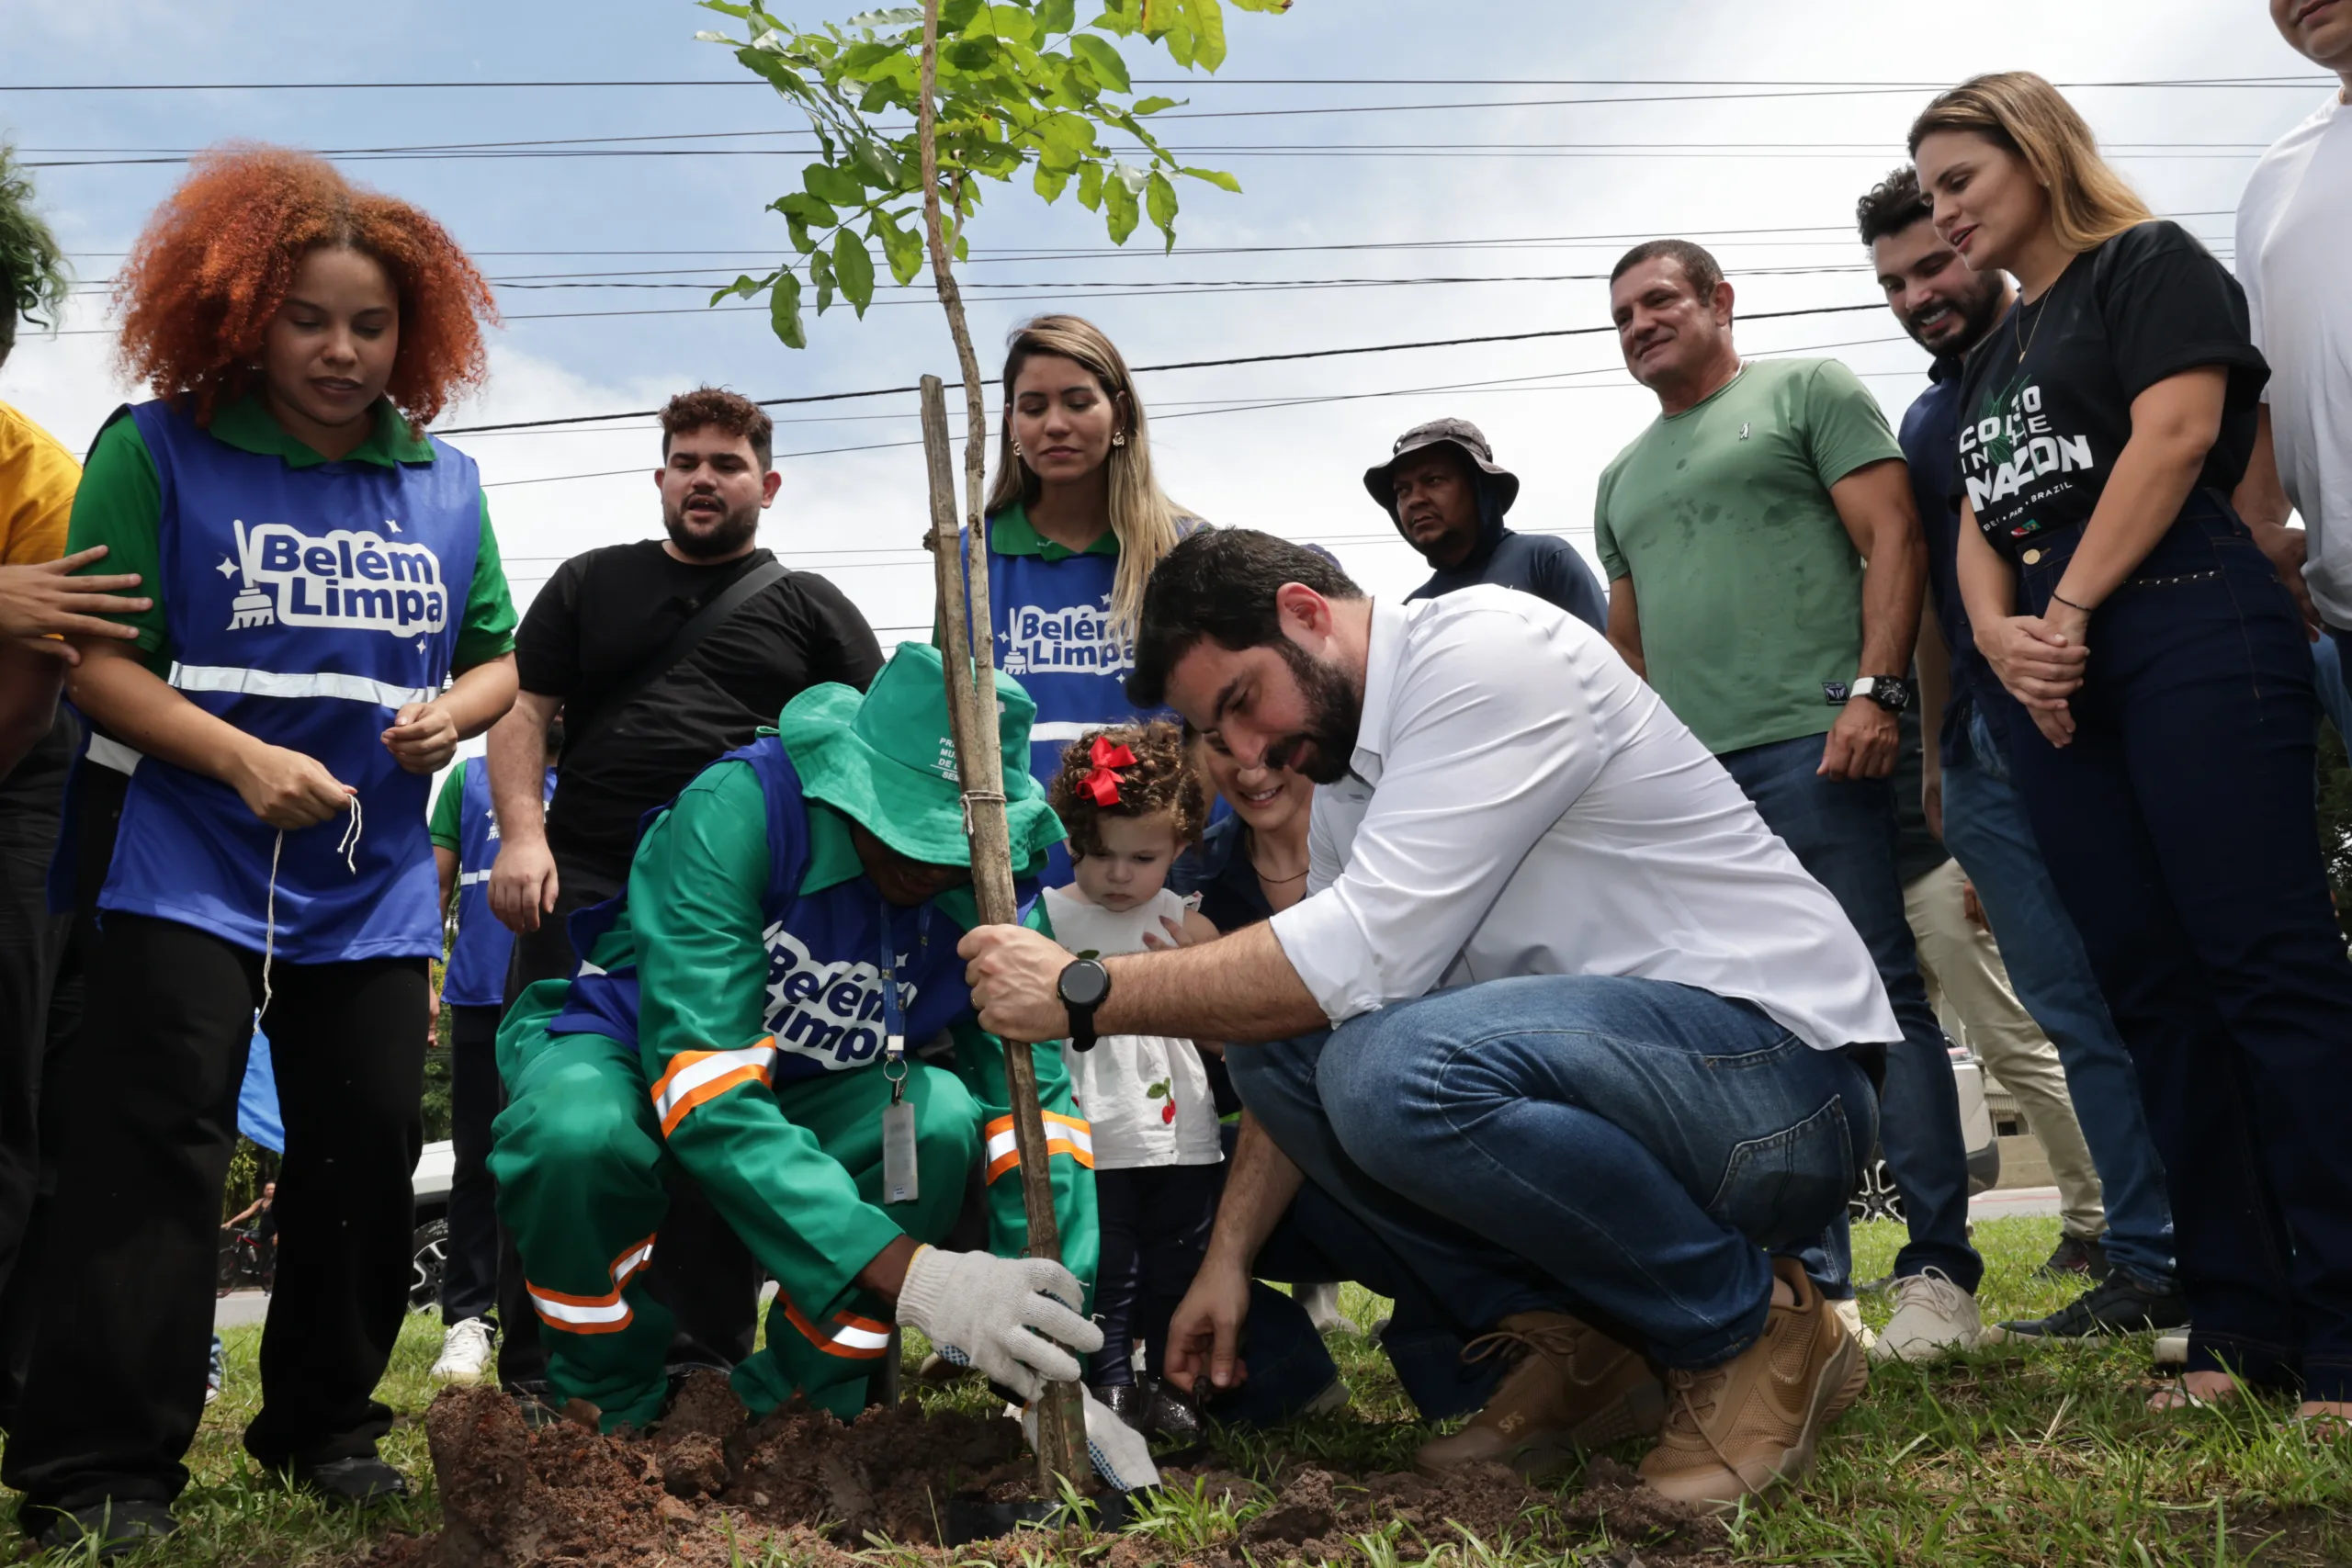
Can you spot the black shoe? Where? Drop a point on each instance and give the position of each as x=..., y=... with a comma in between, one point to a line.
x=1152, y=1409
x=2121, y=1306
x=2077, y=1258
x=117, y=1525
x=363, y=1481
x=1169, y=1412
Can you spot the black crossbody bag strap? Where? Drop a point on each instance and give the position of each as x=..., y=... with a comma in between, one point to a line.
x=682, y=641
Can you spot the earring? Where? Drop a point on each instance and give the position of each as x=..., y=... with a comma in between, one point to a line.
x=1119, y=438
x=1016, y=448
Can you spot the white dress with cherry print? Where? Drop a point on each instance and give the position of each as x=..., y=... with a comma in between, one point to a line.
x=1146, y=1097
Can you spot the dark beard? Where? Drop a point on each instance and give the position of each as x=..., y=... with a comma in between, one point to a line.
x=1334, y=715
x=728, y=539
x=1979, y=316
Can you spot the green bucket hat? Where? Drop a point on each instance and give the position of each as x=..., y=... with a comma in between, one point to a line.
x=886, y=759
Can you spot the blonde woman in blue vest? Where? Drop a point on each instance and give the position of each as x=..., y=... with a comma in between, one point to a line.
x=1077, y=519
x=321, y=572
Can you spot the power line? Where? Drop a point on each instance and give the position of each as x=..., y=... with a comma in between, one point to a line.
x=124, y=157
x=1180, y=365
x=1809, y=87
x=1215, y=405
x=1129, y=286
x=987, y=255
x=1249, y=405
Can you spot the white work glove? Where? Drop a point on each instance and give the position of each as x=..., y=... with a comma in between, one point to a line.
x=1012, y=1317
x=1121, y=1455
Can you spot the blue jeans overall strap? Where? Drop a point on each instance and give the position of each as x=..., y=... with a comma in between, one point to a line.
x=1842, y=831
x=1628, y=1150
x=1986, y=830
x=2178, y=827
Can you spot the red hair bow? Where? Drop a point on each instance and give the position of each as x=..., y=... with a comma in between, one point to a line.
x=1101, y=783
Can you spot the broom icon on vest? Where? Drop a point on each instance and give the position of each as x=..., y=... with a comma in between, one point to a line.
x=251, y=607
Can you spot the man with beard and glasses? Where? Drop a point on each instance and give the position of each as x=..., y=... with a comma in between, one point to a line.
x=608, y=642
x=1560, y=1023
x=1948, y=309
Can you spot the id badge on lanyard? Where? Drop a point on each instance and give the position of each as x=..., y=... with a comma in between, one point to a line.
x=900, y=1182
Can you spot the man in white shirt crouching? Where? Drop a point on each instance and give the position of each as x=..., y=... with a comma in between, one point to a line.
x=1559, y=1019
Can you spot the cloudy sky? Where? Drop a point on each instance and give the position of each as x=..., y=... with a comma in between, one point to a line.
x=1473, y=148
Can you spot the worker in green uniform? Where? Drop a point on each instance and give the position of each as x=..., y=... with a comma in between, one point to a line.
x=747, y=1017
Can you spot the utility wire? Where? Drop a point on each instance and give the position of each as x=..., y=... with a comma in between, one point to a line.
x=1178, y=364
x=1182, y=408
x=1792, y=87
x=984, y=255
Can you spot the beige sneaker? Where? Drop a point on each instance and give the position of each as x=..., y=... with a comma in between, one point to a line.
x=1933, y=1318
x=1573, y=1387
x=1735, y=1431
x=1849, y=1312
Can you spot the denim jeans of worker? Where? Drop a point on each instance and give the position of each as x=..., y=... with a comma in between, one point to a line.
x=2178, y=827
x=1986, y=830
x=1842, y=831
x=1631, y=1151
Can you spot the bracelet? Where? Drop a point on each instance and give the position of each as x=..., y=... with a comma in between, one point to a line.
x=2062, y=599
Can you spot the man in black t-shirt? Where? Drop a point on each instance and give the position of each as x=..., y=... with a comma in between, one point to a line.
x=635, y=735
x=633, y=743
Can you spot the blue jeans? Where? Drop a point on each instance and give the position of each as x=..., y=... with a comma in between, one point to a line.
x=1628, y=1150
x=1986, y=830
x=1842, y=831
x=2327, y=674
x=1319, y=1241
x=2178, y=828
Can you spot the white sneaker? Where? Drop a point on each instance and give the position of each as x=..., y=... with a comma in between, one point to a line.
x=1933, y=1317
x=1849, y=1312
x=1322, y=1304
x=465, y=1352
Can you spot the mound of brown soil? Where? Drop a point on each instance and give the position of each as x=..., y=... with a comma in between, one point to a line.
x=707, y=1487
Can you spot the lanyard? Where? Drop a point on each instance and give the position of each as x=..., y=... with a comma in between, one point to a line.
x=902, y=1158
x=894, y=1021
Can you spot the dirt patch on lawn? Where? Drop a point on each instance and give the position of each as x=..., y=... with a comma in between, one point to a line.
x=706, y=1487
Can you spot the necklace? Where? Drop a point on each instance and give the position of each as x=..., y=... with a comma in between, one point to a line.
x=2016, y=323
x=1276, y=880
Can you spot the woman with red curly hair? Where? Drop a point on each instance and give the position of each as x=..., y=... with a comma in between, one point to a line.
x=321, y=571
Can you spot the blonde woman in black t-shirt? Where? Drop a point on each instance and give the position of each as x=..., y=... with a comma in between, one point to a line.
x=2168, y=770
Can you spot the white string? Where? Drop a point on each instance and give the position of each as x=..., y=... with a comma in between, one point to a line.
x=269, y=931
x=348, y=849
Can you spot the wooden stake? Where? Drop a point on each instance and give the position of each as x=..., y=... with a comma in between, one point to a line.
x=971, y=704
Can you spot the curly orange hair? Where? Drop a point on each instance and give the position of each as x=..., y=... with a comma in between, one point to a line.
x=214, y=263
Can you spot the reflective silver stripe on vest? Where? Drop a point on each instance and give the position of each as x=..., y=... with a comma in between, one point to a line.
x=470, y=877
x=271, y=683
x=113, y=754
x=1067, y=729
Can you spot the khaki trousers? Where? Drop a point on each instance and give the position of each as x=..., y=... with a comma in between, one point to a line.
x=1969, y=986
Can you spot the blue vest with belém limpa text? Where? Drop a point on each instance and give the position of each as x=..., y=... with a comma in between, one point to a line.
x=1054, y=635
x=824, y=982
x=477, y=973
x=306, y=607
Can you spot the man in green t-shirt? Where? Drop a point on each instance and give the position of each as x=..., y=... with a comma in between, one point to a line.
x=1764, y=571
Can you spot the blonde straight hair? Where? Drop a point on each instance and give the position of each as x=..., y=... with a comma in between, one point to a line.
x=2090, y=202
x=1144, y=521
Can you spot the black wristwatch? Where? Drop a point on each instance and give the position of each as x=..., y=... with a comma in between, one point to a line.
x=1084, y=987
x=1891, y=692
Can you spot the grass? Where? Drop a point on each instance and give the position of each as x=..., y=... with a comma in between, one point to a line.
x=2013, y=1456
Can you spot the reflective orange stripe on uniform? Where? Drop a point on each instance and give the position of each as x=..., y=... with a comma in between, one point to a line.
x=848, y=1336
x=1064, y=1135
x=607, y=1313
x=696, y=1077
